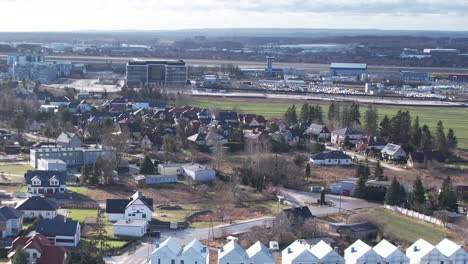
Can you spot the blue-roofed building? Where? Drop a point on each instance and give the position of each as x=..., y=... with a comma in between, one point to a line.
x=331, y=158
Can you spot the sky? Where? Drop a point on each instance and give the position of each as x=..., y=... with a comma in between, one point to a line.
x=66, y=15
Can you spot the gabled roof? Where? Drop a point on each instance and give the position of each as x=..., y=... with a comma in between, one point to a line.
x=58, y=226
x=50, y=254
x=172, y=245
x=330, y=155
x=316, y=129
x=257, y=248
x=230, y=247
x=118, y=206
x=391, y=149
x=45, y=176
x=321, y=249
x=448, y=248
x=302, y=211
x=419, y=249
x=347, y=131
x=66, y=137
x=385, y=248
x=429, y=155
x=38, y=203
x=196, y=246
x=9, y=213
x=356, y=250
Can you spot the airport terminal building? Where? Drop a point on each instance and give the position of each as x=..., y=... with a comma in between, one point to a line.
x=339, y=69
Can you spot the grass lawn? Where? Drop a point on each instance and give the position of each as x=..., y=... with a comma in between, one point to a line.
x=23, y=189
x=408, y=229
x=15, y=169
x=80, y=193
x=453, y=117
x=81, y=214
x=176, y=215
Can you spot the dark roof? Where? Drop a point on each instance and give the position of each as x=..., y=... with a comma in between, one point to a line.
x=314, y=241
x=347, y=131
x=37, y=203
x=330, y=155
x=303, y=212
x=117, y=206
x=63, y=99
x=358, y=227
x=316, y=129
x=130, y=127
x=7, y=213
x=418, y=157
x=45, y=176
x=50, y=254
x=57, y=226
x=140, y=62
x=227, y=116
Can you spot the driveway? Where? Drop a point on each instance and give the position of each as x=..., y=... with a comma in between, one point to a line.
x=300, y=198
x=142, y=254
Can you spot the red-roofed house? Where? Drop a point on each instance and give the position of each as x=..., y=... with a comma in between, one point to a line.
x=40, y=250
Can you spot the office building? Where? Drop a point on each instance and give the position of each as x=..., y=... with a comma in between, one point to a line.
x=22, y=59
x=74, y=157
x=411, y=76
x=154, y=72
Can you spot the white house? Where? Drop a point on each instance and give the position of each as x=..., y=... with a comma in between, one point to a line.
x=331, y=158
x=393, y=152
x=68, y=140
x=170, y=169
x=199, y=172
x=60, y=230
x=326, y=254
x=34, y=126
x=45, y=182
x=260, y=254
x=170, y=252
x=36, y=206
x=390, y=253
x=130, y=228
x=361, y=253
x=339, y=136
x=453, y=252
x=298, y=252
x=423, y=252
x=39, y=250
x=11, y=222
x=138, y=207
x=51, y=165
x=232, y=253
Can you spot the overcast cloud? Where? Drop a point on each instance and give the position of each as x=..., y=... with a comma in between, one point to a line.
x=35, y=15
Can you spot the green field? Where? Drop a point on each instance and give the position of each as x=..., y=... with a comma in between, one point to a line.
x=19, y=169
x=453, y=117
x=408, y=229
x=81, y=214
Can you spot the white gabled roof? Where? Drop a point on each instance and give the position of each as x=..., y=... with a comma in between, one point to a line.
x=419, y=249
x=356, y=250
x=447, y=247
x=299, y=252
x=232, y=246
x=257, y=248
x=391, y=149
x=321, y=249
x=385, y=248
x=170, y=244
x=196, y=246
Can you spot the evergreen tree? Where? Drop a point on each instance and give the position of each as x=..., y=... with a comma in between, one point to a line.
x=84, y=174
x=345, y=116
x=290, y=117
x=394, y=193
x=305, y=113
x=418, y=196
x=447, y=196
x=416, y=134
x=147, y=167
x=322, y=196
x=334, y=113
x=95, y=174
x=426, y=138
x=379, y=172
x=307, y=170
x=370, y=120
x=20, y=257
x=452, y=140
x=360, y=188
x=318, y=114
x=384, y=129
x=355, y=115
x=440, y=139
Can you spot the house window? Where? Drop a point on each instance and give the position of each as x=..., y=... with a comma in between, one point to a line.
x=144, y=216
x=172, y=261
x=181, y=262
x=159, y=261
x=129, y=214
x=34, y=255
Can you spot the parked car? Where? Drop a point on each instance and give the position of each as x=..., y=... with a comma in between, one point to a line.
x=155, y=234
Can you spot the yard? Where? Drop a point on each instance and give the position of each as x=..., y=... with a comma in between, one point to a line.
x=453, y=117
x=17, y=169
x=408, y=229
x=81, y=214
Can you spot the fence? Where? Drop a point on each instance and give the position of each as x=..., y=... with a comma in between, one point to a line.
x=78, y=205
x=415, y=214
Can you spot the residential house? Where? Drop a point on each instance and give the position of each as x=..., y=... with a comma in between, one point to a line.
x=133, y=129
x=138, y=207
x=339, y=136
x=170, y=169
x=453, y=252
x=198, y=172
x=393, y=152
x=39, y=249
x=51, y=165
x=390, y=253
x=326, y=254
x=130, y=228
x=11, y=221
x=298, y=252
x=318, y=132
x=370, y=144
x=252, y=120
x=423, y=252
x=209, y=138
x=294, y=217
x=36, y=206
x=361, y=253
x=260, y=254
x=226, y=117
x=59, y=101
x=146, y=142
x=170, y=252
x=355, y=230
x=68, y=140
x=345, y=187
x=60, y=230
x=277, y=122
x=255, y=135
x=158, y=179
x=232, y=253
x=34, y=126
x=424, y=158
x=42, y=182
x=331, y=158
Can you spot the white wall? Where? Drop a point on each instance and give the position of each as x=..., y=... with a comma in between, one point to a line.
x=115, y=217
x=131, y=231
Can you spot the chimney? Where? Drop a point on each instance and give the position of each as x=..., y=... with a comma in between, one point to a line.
x=416, y=249
x=221, y=249
x=289, y=251
x=353, y=250
x=335, y=249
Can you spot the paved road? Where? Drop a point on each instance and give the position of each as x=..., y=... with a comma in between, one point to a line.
x=143, y=252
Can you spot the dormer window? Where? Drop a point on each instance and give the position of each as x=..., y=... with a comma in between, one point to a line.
x=54, y=182
x=36, y=182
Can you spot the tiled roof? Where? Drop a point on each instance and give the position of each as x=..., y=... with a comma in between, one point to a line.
x=7, y=213
x=37, y=203
x=59, y=226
